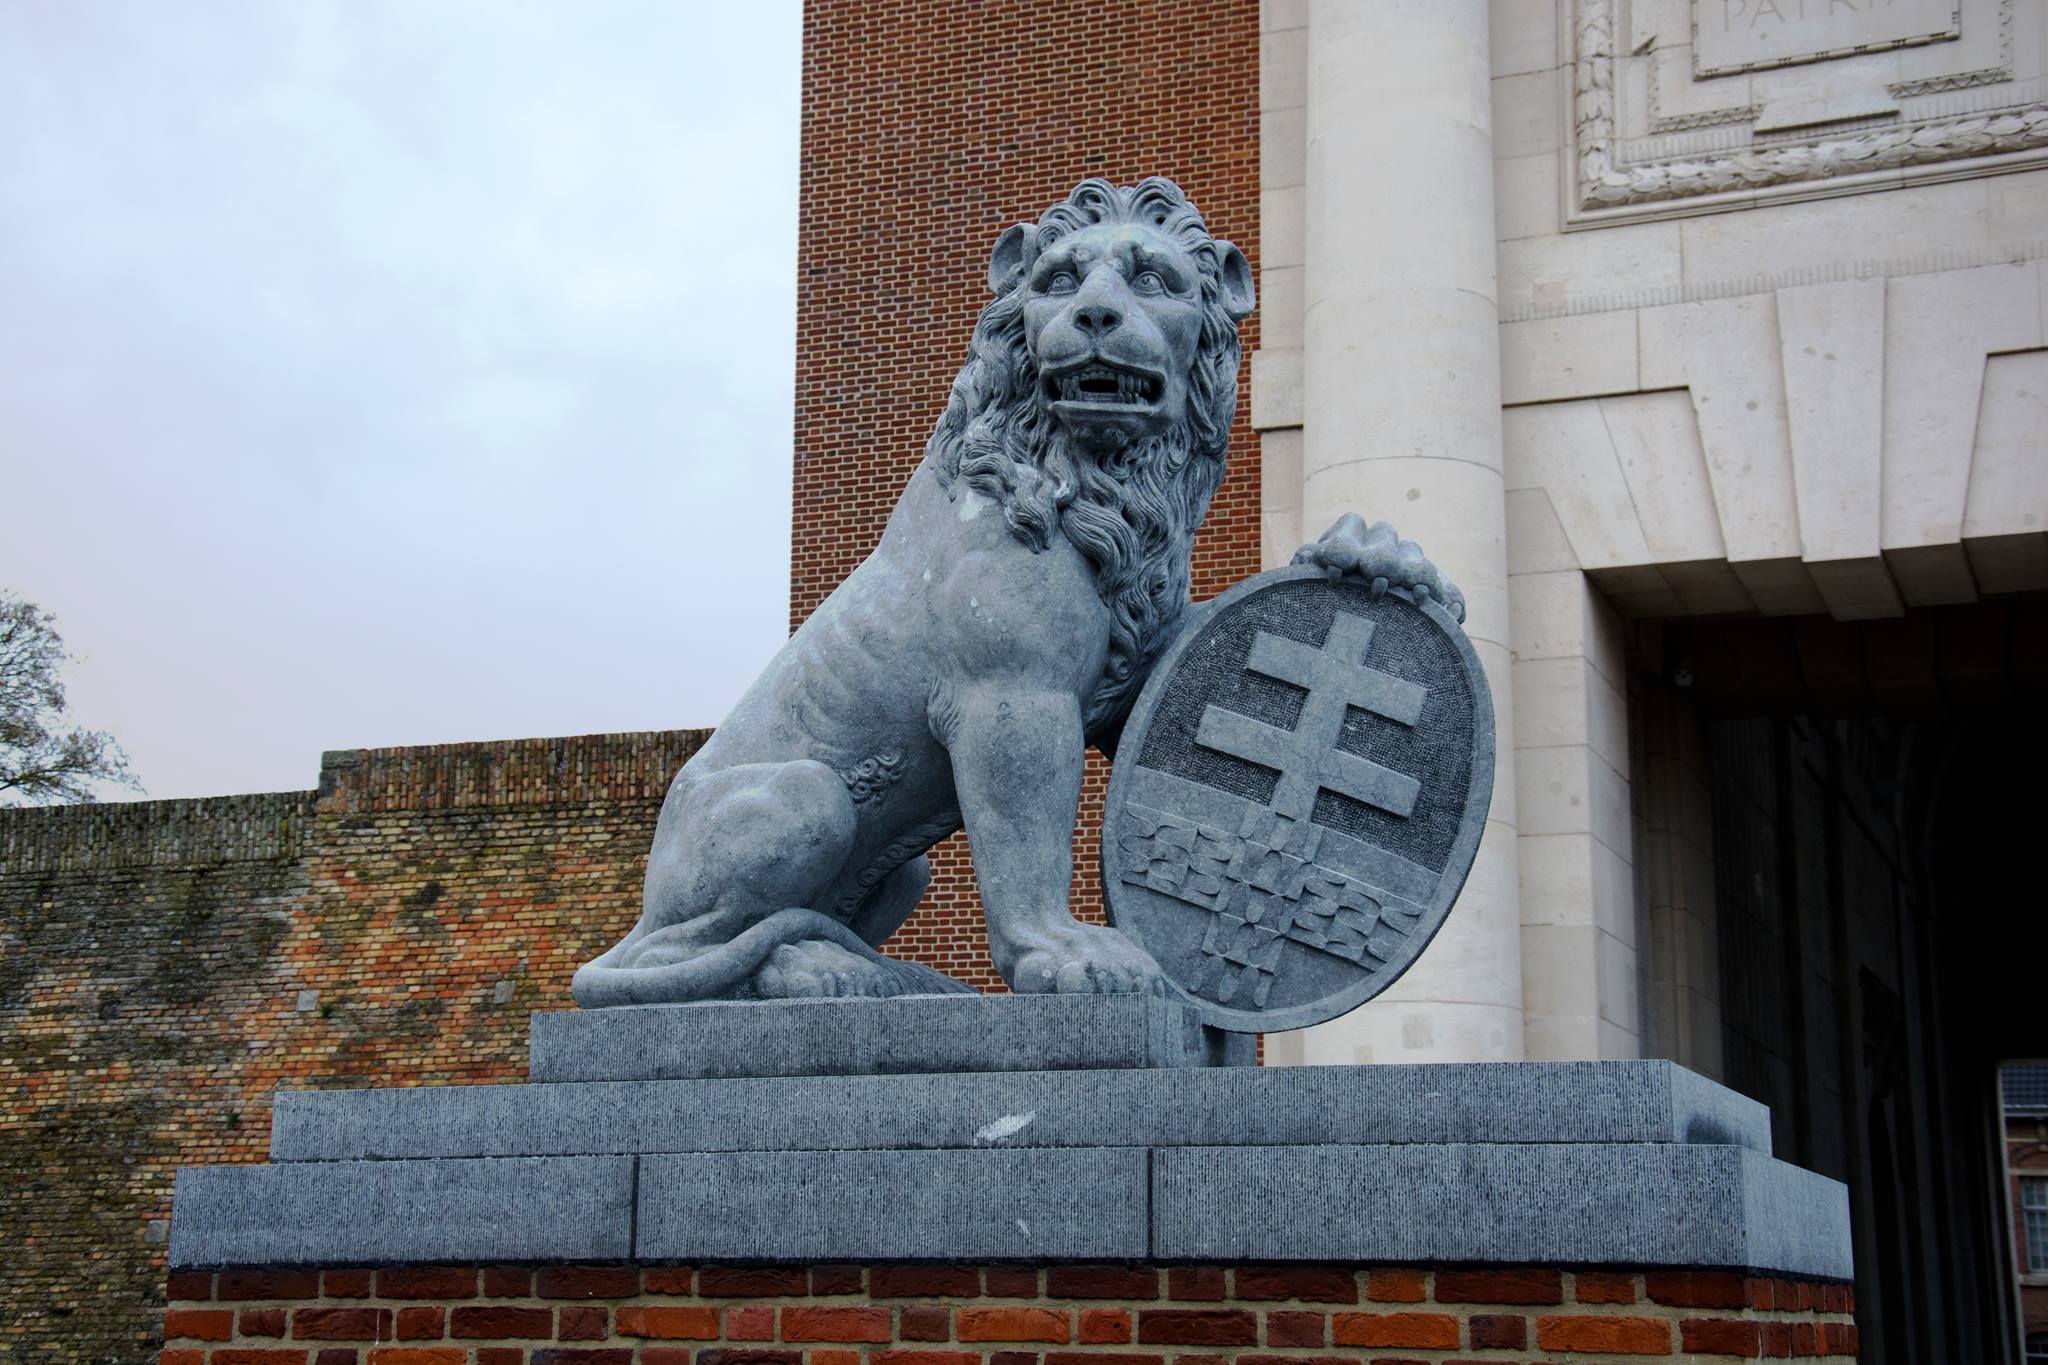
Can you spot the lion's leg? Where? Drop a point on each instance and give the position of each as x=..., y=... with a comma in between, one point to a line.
x=891, y=902
x=737, y=855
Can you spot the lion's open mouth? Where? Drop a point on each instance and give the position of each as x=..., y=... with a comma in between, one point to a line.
x=1104, y=384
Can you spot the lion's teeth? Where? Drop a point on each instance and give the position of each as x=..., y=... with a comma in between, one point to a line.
x=1102, y=384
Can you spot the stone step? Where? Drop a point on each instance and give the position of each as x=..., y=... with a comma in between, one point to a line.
x=1637, y=1204
x=577, y=1208
x=1623, y=1204
x=919, y=1033
x=1579, y=1102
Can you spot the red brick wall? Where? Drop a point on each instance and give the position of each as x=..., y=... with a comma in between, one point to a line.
x=992, y=1315
x=929, y=126
x=165, y=965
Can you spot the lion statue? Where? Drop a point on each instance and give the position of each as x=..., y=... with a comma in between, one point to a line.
x=1030, y=575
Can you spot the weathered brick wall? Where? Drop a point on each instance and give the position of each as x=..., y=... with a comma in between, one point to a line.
x=165, y=965
x=993, y=1315
x=137, y=946
x=929, y=126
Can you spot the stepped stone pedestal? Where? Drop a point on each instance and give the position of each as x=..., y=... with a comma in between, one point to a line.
x=1003, y=1181
x=1010, y=1129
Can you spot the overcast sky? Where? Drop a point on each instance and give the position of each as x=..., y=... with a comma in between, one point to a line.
x=396, y=371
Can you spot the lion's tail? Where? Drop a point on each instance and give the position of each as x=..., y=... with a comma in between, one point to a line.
x=714, y=973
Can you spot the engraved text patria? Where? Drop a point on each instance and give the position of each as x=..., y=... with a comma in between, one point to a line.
x=1748, y=35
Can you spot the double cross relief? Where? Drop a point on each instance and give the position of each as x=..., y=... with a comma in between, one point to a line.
x=1306, y=757
x=1264, y=882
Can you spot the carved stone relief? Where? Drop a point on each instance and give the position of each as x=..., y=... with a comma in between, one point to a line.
x=1692, y=105
x=1297, y=798
x=1754, y=35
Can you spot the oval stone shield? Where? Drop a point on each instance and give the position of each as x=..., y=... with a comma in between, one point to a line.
x=1297, y=797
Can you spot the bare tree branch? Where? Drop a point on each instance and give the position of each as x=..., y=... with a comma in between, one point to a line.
x=43, y=758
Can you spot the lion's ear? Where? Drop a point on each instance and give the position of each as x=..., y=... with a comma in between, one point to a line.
x=1012, y=256
x=1234, y=274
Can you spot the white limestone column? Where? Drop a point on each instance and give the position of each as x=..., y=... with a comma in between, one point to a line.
x=1401, y=423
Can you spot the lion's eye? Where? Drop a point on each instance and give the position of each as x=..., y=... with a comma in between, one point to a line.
x=1149, y=282
x=1062, y=283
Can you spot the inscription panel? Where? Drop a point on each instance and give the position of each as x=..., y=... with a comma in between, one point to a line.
x=1751, y=35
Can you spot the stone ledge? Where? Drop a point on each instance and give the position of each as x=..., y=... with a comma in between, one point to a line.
x=934, y=1033
x=1644, y=1204
x=1530, y=1102
x=963, y=1205
x=1564, y=1204
x=537, y=1208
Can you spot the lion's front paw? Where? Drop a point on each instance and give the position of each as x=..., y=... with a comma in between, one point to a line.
x=1378, y=555
x=1086, y=959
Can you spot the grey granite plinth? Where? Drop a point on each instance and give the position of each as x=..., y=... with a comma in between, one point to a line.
x=1043, y=1130
x=1537, y=1102
x=1637, y=1204
x=364, y=1212
x=1087, y=1204
x=919, y=1033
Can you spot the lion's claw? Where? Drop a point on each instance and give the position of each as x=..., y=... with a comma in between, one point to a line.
x=1087, y=959
x=1377, y=554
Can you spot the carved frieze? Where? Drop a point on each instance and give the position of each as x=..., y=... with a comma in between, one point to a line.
x=1689, y=106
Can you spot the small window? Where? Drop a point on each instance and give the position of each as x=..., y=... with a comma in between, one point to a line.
x=2034, y=1212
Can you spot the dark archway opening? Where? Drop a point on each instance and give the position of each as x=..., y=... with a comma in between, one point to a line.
x=1874, y=926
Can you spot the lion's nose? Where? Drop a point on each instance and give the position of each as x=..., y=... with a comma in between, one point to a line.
x=1097, y=319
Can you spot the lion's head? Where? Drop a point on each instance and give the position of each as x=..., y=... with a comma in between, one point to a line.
x=1097, y=398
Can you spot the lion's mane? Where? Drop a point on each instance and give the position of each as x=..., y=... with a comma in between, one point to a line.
x=1132, y=512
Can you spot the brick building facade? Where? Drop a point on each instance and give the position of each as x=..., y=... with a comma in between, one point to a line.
x=2024, y=1088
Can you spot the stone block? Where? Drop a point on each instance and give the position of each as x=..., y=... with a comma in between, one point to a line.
x=871, y=1037
x=1525, y=113
x=1826, y=234
x=1657, y=440
x=2006, y=495
x=1831, y=340
x=1526, y=199
x=1939, y=330
x=1283, y=147
x=1550, y=359
x=1566, y=450
x=1280, y=319
x=1540, y=1204
x=1549, y=274
x=404, y=1212
x=1280, y=494
x=1283, y=227
x=1523, y=37
x=1727, y=352
x=1594, y=796
x=1653, y=1102
x=1283, y=68
x=1537, y=543
x=957, y=1205
x=1276, y=389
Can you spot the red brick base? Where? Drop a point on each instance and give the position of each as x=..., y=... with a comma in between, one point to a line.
x=994, y=1315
